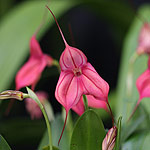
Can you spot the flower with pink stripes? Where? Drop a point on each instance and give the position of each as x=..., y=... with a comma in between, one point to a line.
x=77, y=78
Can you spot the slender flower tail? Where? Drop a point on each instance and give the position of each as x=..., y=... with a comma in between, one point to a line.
x=134, y=110
x=111, y=114
x=57, y=25
x=63, y=127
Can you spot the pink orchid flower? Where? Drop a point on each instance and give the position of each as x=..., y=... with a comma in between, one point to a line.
x=143, y=86
x=92, y=102
x=31, y=71
x=77, y=78
x=33, y=108
x=144, y=40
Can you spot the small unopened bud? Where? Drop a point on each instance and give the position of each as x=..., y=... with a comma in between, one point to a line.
x=11, y=94
x=109, y=140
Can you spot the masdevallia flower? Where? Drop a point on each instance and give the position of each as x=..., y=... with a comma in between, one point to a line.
x=77, y=78
x=31, y=71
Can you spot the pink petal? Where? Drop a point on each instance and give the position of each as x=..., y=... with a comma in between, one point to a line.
x=30, y=72
x=68, y=90
x=144, y=39
x=143, y=84
x=96, y=103
x=92, y=102
x=72, y=58
x=79, y=107
x=48, y=59
x=35, y=49
x=93, y=84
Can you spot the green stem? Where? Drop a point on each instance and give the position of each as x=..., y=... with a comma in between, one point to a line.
x=112, y=117
x=85, y=102
x=48, y=126
x=56, y=63
x=26, y=95
x=33, y=96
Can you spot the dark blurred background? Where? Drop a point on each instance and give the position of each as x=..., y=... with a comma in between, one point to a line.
x=98, y=35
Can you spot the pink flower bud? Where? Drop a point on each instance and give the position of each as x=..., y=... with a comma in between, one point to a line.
x=33, y=108
x=109, y=140
x=9, y=94
x=144, y=40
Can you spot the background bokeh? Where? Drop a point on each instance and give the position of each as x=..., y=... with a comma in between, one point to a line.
x=98, y=28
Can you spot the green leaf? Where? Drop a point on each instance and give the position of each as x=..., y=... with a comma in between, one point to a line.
x=139, y=140
x=88, y=133
x=3, y=144
x=117, y=145
x=146, y=143
x=139, y=121
x=126, y=104
x=34, y=97
x=135, y=142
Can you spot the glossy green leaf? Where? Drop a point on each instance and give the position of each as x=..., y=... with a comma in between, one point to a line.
x=3, y=144
x=88, y=133
x=117, y=145
x=124, y=103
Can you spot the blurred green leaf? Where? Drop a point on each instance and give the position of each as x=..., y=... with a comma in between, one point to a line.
x=88, y=132
x=56, y=127
x=140, y=140
x=126, y=104
x=146, y=143
x=117, y=145
x=140, y=121
x=3, y=144
x=135, y=142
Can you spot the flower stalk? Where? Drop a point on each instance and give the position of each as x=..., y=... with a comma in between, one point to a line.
x=85, y=102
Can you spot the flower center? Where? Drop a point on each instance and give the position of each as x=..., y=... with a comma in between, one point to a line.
x=77, y=71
